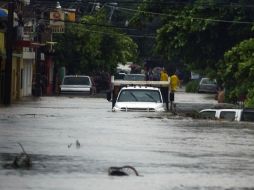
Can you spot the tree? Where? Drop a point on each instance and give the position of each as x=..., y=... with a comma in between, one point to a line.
x=238, y=72
x=199, y=32
x=92, y=45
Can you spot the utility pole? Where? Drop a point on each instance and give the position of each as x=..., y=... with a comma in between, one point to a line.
x=9, y=50
x=38, y=89
x=38, y=67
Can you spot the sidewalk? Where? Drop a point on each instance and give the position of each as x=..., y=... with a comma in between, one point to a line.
x=193, y=102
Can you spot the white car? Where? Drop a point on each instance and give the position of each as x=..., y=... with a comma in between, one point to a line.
x=228, y=114
x=76, y=84
x=139, y=98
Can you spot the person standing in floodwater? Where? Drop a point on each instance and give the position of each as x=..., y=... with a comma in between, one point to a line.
x=164, y=90
x=174, y=84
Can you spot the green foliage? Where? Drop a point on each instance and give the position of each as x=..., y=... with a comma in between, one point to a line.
x=194, y=36
x=192, y=86
x=238, y=72
x=93, y=46
x=250, y=99
x=199, y=32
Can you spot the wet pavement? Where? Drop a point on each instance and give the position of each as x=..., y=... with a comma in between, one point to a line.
x=168, y=151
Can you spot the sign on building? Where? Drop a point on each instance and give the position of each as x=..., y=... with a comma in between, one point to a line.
x=70, y=15
x=57, y=21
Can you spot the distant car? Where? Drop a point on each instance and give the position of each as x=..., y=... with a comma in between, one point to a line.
x=228, y=114
x=207, y=85
x=76, y=84
x=139, y=98
x=120, y=76
x=135, y=77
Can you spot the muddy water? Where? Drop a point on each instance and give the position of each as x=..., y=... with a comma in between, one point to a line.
x=169, y=152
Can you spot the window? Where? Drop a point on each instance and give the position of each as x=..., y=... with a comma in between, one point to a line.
x=248, y=116
x=208, y=114
x=134, y=77
x=132, y=95
x=208, y=81
x=228, y=115
x=76, y=81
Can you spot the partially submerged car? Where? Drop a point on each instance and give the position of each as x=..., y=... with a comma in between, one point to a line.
x=139, y=98
x=76, y=84
x=228, y=114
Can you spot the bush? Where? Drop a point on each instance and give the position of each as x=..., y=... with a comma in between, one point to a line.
x=192, y=86
x=250, y=99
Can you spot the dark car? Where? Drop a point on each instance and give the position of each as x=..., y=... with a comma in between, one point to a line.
x=207, y=85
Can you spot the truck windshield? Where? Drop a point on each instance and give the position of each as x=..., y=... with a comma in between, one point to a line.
x=133, y=95
x=134, y=77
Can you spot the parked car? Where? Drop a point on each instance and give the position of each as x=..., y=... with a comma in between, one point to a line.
x=228, y=114
x=119, y=76
x=139, y=98
x=135, y=77
x=207, y=85
x=76, y=84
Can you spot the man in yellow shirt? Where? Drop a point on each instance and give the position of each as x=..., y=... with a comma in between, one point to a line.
x=164, y=90
x=174, y=82
x=164, y=75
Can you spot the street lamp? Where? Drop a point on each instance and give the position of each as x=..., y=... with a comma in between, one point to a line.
x=97, y=6
x=58, y=6
x=113, y=7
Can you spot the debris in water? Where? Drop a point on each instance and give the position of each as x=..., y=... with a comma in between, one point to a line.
x=122, y=171
x=77, y=144
x=69, y=145
x=22, y=160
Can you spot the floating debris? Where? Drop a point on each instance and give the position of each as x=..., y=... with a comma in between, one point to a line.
x=69, y=145
x=77, y=144
x=122, y=171
x=22, y=160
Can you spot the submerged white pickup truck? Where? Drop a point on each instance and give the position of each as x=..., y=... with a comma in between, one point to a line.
x=139, y=98
x=246, y=114
x=139, y=95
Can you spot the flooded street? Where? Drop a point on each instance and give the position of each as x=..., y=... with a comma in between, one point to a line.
x=169, y=152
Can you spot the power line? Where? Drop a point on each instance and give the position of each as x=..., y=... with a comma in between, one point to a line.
x=119, y=8
x=175, y=16
x=106, y=26
x=134, y=2
x=131, y=35
x=162, y=14
x=88, y=24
